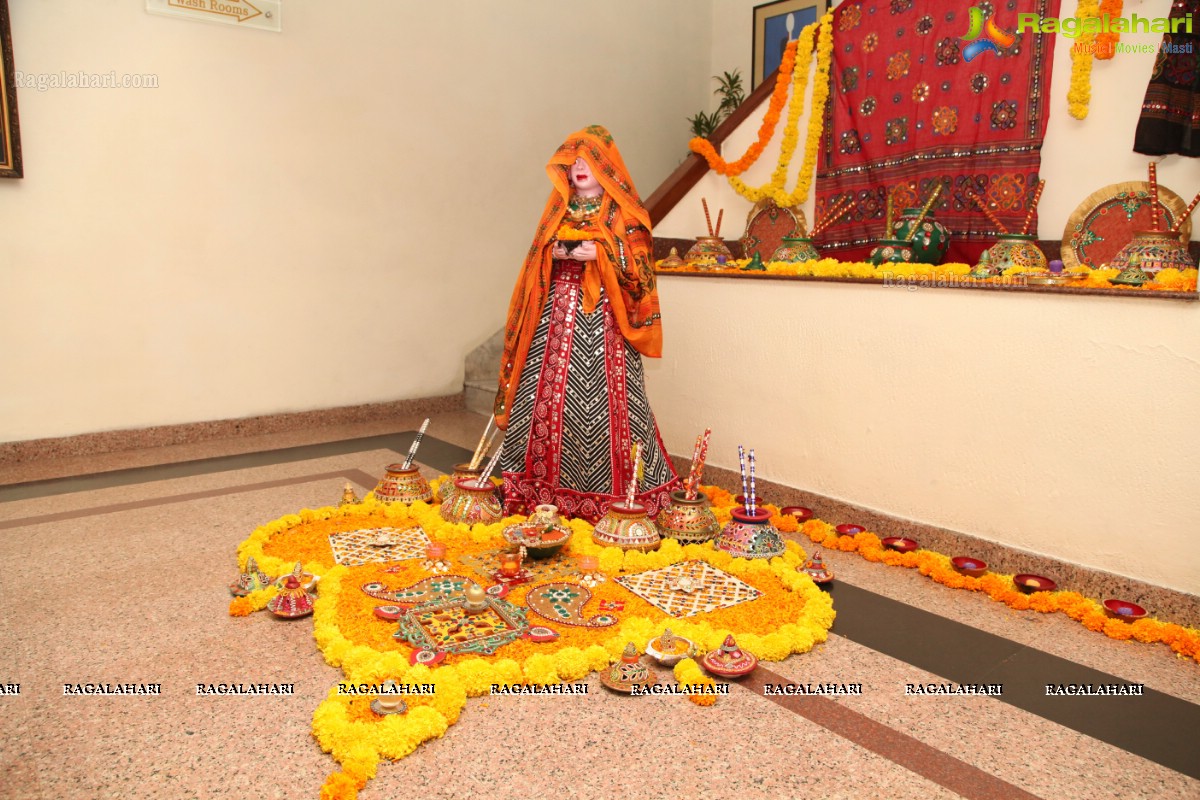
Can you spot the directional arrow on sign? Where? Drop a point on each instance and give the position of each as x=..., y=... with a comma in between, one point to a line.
x=241, y=10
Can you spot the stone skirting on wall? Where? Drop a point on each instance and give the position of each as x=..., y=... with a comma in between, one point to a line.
x=192, y=432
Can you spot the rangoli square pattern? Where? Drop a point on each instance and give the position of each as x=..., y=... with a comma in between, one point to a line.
x=355, y=548
x=716, y=589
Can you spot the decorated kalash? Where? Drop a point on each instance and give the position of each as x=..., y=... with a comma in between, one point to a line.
x=409, y=592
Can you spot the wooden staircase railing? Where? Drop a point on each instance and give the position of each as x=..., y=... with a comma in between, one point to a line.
x=689, y=173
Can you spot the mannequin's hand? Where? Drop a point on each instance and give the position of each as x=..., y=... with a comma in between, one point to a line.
x=558, y=251
x=586, y=251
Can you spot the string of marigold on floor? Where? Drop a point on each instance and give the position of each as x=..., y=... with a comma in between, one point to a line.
x=1000, y=588
x=787, y=69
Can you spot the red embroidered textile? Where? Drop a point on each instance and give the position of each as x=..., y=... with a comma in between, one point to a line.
x=926, y=93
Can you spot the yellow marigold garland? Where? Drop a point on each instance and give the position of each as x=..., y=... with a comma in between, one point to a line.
x=1080, y=93
x=1170, y=279
x=816, y=121
x=358, y=740
x=787, y=73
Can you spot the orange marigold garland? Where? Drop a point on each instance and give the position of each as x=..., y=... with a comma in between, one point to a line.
x=1106, y=43
x=783, y=80
x=1084, y=610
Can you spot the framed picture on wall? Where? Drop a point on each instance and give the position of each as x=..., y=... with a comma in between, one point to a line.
x=10, y=134
x=775, y=24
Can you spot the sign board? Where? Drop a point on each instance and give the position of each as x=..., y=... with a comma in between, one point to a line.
x=261, y=14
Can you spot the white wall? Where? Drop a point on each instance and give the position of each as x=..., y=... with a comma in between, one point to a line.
x=1064, y=425
x=329, y=216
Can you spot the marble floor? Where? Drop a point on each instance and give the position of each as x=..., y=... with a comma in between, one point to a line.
x=116, y=569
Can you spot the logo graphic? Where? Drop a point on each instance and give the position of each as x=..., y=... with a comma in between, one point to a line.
x=984, y=37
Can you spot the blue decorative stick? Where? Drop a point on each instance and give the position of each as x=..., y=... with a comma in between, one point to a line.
x=745, y=486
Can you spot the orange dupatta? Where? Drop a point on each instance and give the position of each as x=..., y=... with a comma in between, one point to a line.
x=623, y=266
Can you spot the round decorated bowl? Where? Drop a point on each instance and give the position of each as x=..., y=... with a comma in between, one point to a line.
x=1123, y=609
x=900, y=544
x=1034, y=583
x=683, y=648
x=539, y=541
x=850, y=530
x=801, y=513
x=971, y=567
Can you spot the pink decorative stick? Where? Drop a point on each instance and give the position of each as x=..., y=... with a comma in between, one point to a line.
x=412, y=451
x=633, y=478
x=1154, y=209
x=1178, y=226
x=477, y=456
x=698, y=464
x=1033, y=204
x=752, y=507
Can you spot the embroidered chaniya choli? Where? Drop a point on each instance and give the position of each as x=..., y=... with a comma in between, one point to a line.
x=572, y=397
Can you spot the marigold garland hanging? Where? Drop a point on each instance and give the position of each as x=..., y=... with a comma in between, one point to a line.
x=1106, y=42
x=787, y=70
x=1079, y=96
x=774, y=188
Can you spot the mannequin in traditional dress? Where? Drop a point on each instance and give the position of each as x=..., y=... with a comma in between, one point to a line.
x=572, y=396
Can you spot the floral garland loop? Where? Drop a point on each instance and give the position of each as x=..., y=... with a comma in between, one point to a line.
x=787, y=70
x=774, y=188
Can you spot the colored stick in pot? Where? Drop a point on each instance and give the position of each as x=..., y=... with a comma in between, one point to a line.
x=1033, y=204
x=742, y=464
x=751, y=505
x=1154, y=209
x=916, y=226
x=477, y=456
x=707, y=218
x=1178, y=226
x=486, y=476
x=412, y=451
x=987, y=212
x=698, y=459
x=837, y=212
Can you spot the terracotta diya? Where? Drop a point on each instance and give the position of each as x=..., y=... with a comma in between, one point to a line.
x=628, y=673
x=801, y=513
x=971, y=567
x=900, y=544
x=851, y=530
x=1123, y=609
x=1034, y=583
x=729, y=661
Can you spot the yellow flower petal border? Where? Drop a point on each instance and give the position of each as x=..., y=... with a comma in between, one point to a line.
x=358, y=740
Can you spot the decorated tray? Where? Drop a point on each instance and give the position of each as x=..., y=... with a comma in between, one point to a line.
x=1105, y=222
